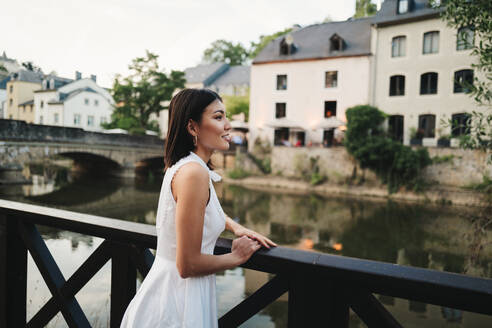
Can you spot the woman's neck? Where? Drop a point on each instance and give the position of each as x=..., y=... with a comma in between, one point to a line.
x=204, y=154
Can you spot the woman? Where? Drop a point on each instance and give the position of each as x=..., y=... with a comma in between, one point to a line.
x=179, y=290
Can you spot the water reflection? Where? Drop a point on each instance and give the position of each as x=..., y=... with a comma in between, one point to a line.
x=407, y=234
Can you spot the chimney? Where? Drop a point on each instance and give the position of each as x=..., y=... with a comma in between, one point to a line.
x=93, y=77
x=78, y=75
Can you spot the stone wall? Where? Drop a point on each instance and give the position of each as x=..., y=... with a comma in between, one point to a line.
x=464, y=166
x=12, y=130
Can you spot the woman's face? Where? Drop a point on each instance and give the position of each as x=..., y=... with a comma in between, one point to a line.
x=213, y=130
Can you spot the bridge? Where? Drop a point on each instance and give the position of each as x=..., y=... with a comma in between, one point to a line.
x=321, y=287
x=115, y=154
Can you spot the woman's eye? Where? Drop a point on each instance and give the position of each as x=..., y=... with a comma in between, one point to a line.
x=218, y=117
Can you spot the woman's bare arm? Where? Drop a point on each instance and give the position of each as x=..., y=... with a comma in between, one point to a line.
x=190, y=188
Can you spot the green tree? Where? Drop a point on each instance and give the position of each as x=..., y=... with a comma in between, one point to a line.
x=364, y=8
x=223, y=51
x=29, y=65
x=236, y=105
x=141, y=94
x=477, y=15
x=256, y=47
x=394, y=163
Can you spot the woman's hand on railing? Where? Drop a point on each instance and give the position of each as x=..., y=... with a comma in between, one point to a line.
x=243, y=248
x=264, y=241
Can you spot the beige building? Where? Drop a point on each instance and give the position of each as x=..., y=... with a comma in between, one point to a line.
x=417, y=61
x=20, y=93
x=301, y=84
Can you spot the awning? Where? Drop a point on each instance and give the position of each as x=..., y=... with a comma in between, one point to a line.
x=329, y=123
x=285, y=123
x=239, y=125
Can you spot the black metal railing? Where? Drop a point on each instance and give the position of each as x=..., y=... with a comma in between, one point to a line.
x=322, y=288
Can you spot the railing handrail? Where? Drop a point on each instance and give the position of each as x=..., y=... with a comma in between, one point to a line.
x=420, y=284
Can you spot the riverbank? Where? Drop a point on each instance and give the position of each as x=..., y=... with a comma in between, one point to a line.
x=436, y=195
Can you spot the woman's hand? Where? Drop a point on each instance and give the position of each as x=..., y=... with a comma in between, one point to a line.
x=264, y=241
x=243, y=248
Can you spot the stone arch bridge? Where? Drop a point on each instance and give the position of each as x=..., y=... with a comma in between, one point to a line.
x=119, y=154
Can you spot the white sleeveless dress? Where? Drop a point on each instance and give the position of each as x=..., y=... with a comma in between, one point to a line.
x=164, y=299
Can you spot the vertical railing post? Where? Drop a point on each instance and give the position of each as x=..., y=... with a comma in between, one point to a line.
x=316, y=302
x=123, y=282
x=13, y=274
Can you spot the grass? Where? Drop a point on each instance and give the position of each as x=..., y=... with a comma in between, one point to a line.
x=442, y=159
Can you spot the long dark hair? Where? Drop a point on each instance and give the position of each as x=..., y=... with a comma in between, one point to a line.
x=186, y=105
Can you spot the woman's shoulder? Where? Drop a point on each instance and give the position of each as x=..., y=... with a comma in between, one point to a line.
x=192, y=170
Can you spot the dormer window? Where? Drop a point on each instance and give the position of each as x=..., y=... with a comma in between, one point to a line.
x=402, y=6
x=336, y=43
x=287, y=46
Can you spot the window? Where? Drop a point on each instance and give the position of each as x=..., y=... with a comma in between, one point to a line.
x=331, y=79
x=42, y=104
x=96, y=102
x=330, y=109
x=300, y=139
x=11, y=88
x=76, y=119
x=41, y=119
x=281, y=137
x=460, y=124
x=30, y=108
x=397, y=85
x=427, y=124
x=395, y=127
x=103, y=119
x=431, y=42
x=23, y=109
x=398, y=45
x=11, y=101
x=86, y=101
x=287, y=46
x=428, y=83
x=281, y=82
x=402, y=6
x=336, y=43
x=55, y=118
x=465, y=38
x=90, y=120
x=463, y=80
x=328, y=137
x=280, y=110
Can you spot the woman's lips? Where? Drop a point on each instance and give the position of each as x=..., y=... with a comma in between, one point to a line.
x=227, y=138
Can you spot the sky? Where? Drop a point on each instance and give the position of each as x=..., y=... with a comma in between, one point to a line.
x=101, y=37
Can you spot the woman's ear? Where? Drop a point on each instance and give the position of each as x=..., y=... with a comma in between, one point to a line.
x=192, y=128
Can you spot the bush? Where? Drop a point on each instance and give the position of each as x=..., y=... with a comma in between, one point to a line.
x=311, y=172
x=485, y=186
x=238, y=173
x=263, y=164
x=395, y=164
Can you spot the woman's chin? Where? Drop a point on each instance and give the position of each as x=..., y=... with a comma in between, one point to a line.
x=226, y=146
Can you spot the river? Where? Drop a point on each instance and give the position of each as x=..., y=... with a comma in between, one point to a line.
x=421, y=235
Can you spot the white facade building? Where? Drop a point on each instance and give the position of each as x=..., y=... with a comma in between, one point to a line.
x=81, y=103
x=3, y=101
x=417, y=58
x=302, y=84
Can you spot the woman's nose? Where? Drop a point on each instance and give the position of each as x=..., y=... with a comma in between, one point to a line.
x=227, y=125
